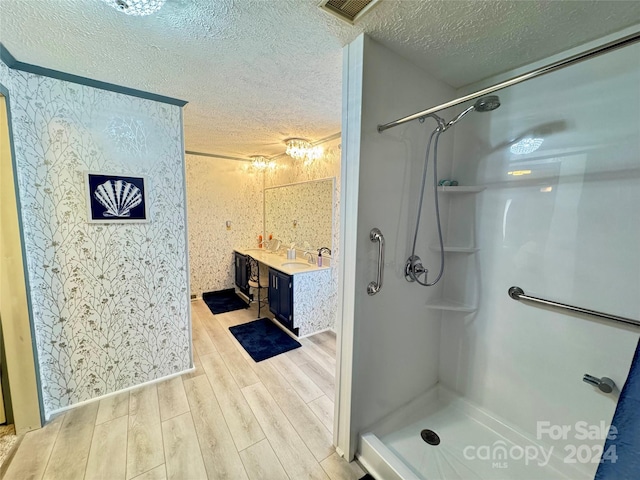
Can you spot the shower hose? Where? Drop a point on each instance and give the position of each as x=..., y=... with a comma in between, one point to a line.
x=411, y=270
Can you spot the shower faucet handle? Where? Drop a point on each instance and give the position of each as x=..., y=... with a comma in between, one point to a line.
x=604, y=384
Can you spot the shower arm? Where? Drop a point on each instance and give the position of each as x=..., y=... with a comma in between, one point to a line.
x=552, y=67
x=458, y=118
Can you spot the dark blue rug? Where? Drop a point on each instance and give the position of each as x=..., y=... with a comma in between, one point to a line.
x=263, y=339
x=223, y=301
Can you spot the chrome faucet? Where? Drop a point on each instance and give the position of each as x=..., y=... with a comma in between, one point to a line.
x=311, y=260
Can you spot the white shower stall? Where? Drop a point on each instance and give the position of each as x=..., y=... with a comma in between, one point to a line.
x=499, y=381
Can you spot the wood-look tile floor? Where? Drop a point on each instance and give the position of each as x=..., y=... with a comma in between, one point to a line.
x=230, y=419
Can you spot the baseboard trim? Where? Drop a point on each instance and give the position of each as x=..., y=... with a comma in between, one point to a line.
x=319, y=331
x=112, y=394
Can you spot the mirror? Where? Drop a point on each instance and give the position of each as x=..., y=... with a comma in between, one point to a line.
x=300, y=212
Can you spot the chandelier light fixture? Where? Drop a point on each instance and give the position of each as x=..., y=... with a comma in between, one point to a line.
x=314, y=153
x=302, y=149
x=297, y=147
x=260, y=162
x=136, y=7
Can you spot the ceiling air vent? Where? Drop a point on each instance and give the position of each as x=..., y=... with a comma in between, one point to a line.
x=348, y=10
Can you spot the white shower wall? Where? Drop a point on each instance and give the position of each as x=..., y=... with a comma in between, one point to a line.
x=569, y=231
x=396, y=337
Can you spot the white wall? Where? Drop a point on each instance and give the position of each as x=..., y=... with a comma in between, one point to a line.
x=218, y=191
x=110, y=302
x=577, y=244
x=396, y=338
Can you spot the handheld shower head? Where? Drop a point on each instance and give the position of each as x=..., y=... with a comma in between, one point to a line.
x=487, y=104
x=484, y=104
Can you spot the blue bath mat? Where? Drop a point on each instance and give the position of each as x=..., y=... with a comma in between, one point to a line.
x=263, y=339
x=223, y=301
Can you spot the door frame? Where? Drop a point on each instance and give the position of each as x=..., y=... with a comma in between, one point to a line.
x=344, y=438
x=4, y=92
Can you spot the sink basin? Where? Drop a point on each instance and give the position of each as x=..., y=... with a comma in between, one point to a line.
x=296, y=265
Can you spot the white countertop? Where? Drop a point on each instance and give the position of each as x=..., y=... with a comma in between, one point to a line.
x=280, y=261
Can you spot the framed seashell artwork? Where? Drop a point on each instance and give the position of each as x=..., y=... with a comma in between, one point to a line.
x=116, y=198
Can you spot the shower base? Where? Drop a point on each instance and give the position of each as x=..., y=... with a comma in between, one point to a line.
x=473, y=445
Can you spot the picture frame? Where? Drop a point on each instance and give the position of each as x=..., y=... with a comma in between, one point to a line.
x=116, y=198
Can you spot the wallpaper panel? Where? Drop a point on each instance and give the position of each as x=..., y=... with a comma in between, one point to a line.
x=292, y=171
x=218, y=191
x=110, y=301
x=314, y=308
x=4, y=75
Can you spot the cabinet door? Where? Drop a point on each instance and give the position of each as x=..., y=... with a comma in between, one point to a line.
x=274, y=299
x=238, y=271
x=285, y=293
x=242, y=276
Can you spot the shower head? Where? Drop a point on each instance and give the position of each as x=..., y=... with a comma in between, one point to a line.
x=487, y=104
x=484, y=104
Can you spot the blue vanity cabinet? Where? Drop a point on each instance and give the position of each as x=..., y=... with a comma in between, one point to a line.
x=281, y=298
x=285, y=292
x=242, y=275
x=313, y=308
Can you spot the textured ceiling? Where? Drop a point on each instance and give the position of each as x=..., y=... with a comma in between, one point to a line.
x=256, y=72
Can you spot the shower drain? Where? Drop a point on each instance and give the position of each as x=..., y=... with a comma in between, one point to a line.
x=430, y=437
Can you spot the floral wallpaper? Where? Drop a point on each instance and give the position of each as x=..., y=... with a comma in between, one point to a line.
x=110, y=302
x=4, y=75
x=314, y=309
x=300, y=212
x=292, y=171
x=218, y=191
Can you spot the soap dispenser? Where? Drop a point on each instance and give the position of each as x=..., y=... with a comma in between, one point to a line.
x=319, y=259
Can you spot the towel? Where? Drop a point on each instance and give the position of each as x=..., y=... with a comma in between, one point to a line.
x=621, y=454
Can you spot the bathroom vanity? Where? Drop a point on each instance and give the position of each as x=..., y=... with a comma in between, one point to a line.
x=300, y=293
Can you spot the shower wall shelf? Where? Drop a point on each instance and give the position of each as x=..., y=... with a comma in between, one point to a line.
x=451, y=306
x=460, y=243
x=464, y=189
x=452, y=249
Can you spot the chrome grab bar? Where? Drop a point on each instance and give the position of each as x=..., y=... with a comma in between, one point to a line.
x=376, y=236
x=518, y=294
